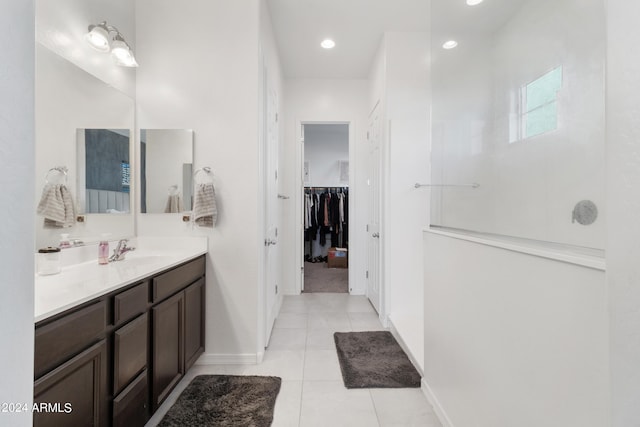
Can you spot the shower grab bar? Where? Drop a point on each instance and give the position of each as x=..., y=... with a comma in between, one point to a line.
x=474, y=185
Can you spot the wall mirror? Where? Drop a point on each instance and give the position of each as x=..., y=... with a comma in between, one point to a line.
x=69, y=99
x=166, y=170
x=104, y=171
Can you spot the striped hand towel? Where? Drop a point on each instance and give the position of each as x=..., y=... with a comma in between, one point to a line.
x=205, y=210
x=174, y=204
x=57, y=207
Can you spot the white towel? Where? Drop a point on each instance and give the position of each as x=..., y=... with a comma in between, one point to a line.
x=174, y=204
x=57, y=207
x=205, y=210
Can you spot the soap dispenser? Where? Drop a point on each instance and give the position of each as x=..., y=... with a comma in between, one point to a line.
x=64, y=241
x=103, y=250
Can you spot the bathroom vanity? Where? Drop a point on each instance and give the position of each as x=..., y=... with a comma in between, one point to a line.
x=110, y=357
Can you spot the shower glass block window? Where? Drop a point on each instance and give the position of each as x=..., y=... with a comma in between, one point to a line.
x=539, y=106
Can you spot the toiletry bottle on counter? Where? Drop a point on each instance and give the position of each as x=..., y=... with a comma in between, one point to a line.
x=64, y=241
x=48, y=261
x=103, y=251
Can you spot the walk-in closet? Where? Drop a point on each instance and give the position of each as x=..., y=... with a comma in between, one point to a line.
x=326, y=208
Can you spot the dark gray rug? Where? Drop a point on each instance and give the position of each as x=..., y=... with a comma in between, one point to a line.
x=225, y=400
x=374, y=360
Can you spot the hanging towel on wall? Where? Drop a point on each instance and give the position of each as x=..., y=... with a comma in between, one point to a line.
x=174, y=204
x=57, y=207
x=205, y=210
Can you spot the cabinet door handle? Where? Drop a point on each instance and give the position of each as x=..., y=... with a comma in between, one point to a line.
x=376, y=235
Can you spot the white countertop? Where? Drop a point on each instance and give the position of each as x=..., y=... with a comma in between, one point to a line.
x=83, y=281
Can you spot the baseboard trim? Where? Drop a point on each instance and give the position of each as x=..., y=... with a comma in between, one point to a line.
x=229, y=359
x=405, y=347
x=437, y=407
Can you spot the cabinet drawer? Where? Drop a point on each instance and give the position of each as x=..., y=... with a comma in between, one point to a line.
x=61, y=339
x=129, y=352
x=172, y=281
x=130, y=303
x=131, y=407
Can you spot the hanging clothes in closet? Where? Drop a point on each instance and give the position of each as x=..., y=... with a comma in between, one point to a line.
x=326, y=213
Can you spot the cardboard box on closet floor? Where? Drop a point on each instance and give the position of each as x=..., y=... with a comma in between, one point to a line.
x=338, y=258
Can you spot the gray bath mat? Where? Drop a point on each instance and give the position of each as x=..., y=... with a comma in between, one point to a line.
x=225, y=400
x=374, y=360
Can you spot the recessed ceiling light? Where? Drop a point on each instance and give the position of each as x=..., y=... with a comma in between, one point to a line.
x=474, y=2
x=450, y=44
x=328, y=44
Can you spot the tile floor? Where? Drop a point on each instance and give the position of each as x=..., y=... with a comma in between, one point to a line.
x=302, y=353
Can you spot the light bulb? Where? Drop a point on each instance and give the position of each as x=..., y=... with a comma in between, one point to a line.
x=122, y=54
x=98, y=37
x=450, y=44
x=328, y=44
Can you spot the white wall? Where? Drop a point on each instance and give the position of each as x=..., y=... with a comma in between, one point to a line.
x=623, y=204
x=323, y=101
x=17, y=231
x=513, y=339
x=407, y=208
x=527, y=188
x=200, y=80
x=399, y=80
x=324, y=147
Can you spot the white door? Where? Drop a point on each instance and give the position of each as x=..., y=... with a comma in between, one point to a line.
x=373, y=222
x=303, y=182
x=271, y=256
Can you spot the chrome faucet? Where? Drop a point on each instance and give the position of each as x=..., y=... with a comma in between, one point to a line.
x=120, y=251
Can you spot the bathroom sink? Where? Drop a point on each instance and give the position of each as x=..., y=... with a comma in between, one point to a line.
x=134, y=259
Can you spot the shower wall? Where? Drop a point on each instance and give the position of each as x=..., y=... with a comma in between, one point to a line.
x=518, y=107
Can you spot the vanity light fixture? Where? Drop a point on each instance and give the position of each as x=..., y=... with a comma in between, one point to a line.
x=104, y=38
x=328, y=44
x=474, y=2
x=450, y=44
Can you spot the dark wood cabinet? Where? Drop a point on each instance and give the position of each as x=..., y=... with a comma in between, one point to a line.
x=129, y=352
x=131, y=407
x=168, y=349
x=112, y=361
x=193, y=323
x=75, y=393
x=66, y=336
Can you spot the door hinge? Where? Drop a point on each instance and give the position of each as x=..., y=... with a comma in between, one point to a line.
x=367, y=135
x=276, y=289
x=367, y=274
x=367, y=227
x=276, y=174
x=276, y=117
x=276, y=231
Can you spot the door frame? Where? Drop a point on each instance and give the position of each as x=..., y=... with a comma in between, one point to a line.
x=354, y=243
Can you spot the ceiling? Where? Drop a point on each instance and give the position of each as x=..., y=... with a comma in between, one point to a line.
x=356, y=26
